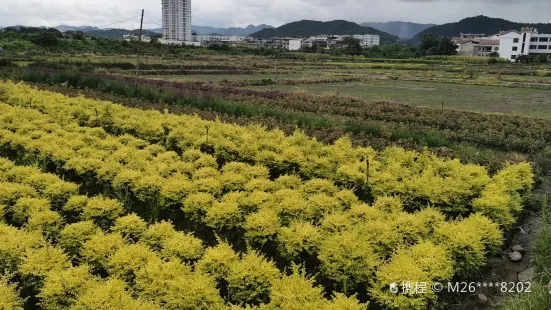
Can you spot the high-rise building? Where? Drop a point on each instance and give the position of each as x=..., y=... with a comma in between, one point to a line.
x=177, y=20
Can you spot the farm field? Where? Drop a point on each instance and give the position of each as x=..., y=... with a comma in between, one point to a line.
x=144, y=201
x=317, y=187
x=493, y=99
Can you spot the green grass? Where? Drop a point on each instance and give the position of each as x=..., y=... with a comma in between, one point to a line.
x=227, y=77
x=530, y=102
x=538, y=299
x=540, y=296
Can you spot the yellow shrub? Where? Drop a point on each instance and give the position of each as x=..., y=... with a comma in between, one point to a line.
x=38, y=262
x=176, y=189
x=174, y=286
x=217, y=260
x=422, y=263
x=468, y=240
x=299, y=237
x=250, y=279
x=342, y=302
x=47, y=222
x=75, y=204
x=11, y=192
x=24, y=207
x=73, y=236
x=97, y=251
x=62, y=288
x=288, y=182
x=13, y=245
x=348, y=259
x=296, y=292
x=9, y=297
x=318, y=186
x=224, y=215
x=130, y=226
x=110, y=295
x=196, y=205
x=336, y=222
x=102, y=211
x=182, y=246
x=261, y=227
x=157, y=233
x=128, y=259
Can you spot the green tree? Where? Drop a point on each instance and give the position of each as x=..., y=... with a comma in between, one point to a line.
x=431, y=45
x=352, y=46
x=46, y=39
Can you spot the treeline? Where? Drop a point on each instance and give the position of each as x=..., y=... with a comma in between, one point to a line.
x=39, y=40
x=430, y=46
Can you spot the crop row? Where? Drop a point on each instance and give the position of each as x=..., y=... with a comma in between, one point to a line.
x=75, y=252
x=300, y=219
x=394, y=122
x=359, y=169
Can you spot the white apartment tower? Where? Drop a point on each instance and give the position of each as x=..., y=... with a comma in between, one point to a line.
x=177, y=21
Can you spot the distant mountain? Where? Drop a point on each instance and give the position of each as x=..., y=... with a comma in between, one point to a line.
x=64, y=28
x=117, y=33
x=18, y=27
x=232, y=31
x=307, y=28
x=404, y=30
x=111, y=33
x=478, y=24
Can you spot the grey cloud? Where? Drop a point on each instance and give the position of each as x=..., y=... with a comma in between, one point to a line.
x=244, y=12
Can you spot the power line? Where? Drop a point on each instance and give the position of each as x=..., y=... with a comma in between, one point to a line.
x=154, y=21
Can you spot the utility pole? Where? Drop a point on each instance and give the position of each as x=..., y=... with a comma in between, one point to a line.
x=139, y=44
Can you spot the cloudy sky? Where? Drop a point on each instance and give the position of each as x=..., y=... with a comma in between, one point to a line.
x=225, y=13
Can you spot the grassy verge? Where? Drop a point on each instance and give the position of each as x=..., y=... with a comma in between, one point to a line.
x=540, y=296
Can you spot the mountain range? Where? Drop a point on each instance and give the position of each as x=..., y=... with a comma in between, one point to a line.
x=478, y=24
x=390, y=32
x=232, y=31
x=307, y=28
x=404, y=30
x=111, y=33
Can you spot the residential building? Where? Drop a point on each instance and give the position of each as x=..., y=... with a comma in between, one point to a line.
x=465, y=47
x=177, y=21
x=368, y=40
x=332, y=41
x=485, y=47
x=508, y=44
x=471, y=35
x=131, y=37
x=528, y=41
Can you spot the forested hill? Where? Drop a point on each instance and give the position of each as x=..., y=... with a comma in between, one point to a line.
x=307, y=28
x=478, y=24
x=404, y=30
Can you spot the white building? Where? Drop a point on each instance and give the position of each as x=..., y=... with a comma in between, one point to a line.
x=508, y=44
x=368, y=40
x=528, y=41
x=177, y=21
x=132, y=37
x=335, y=41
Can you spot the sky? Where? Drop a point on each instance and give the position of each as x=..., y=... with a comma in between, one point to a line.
x=240, y=13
